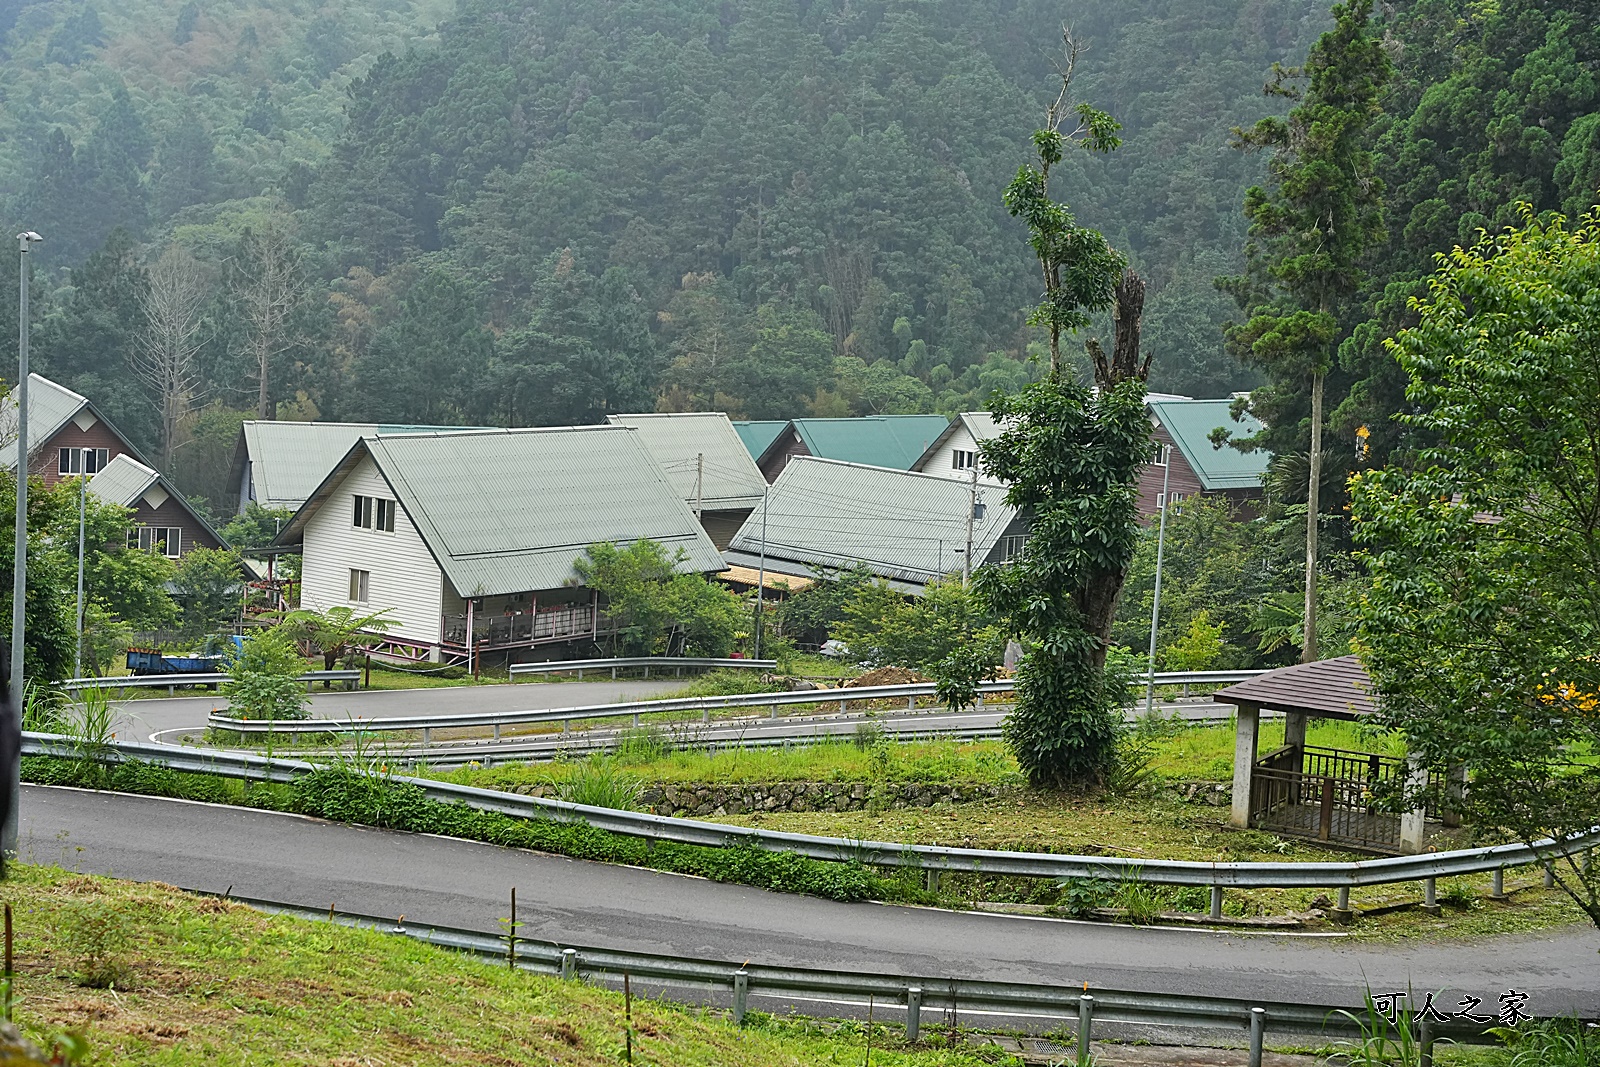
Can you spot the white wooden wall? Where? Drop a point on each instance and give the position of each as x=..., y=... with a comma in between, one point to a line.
x=939, y=462
x=405, y=579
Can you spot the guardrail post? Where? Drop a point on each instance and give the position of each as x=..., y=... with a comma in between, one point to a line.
x=1425, y=1043
x=741, y=995
x=1550, y=875
x=569, y=963
x=930, y=879
x=705, y=716
x=1216, y=902
x=913, y=1013
x=427, y=737
x=1497, y=887
x=1258, y=1034
x=497, y=731
x=1085, y=1021
x=1341, y=911
x=1430, y=896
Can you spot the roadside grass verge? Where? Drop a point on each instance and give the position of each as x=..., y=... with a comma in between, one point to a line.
x=647, y=754
x=215, y=983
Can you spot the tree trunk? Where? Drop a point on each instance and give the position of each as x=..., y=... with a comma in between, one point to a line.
x=1308, y=651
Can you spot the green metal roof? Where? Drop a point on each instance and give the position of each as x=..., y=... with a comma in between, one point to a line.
x=903, y=526
x=49, y=407
x=895, y=441
x=703, y=455
x=508, y=511
x=759, y=434
x=288, y=460
x=1190, y=423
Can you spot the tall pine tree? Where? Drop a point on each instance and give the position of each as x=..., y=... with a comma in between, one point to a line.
x=1311, y=228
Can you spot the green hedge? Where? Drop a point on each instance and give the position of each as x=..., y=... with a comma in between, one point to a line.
x=345, y=796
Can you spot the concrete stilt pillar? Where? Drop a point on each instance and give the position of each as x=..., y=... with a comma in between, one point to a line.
x=1246, y=738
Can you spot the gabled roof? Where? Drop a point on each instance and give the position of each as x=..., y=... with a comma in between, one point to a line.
x=1190, y=423
x=759, y=434
x=979, y=424
x=703, y=457
x=125, y=482
x=903, y=526
x=50, y=406
x=1338, y=688
x=508, y=511
x=289, y=459
x=877, y=440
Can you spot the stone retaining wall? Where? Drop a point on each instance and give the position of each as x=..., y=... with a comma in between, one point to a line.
x=691, y=799
x=698, y=799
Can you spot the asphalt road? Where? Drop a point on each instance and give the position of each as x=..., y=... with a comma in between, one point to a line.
x=147, y=716
x=462, y=884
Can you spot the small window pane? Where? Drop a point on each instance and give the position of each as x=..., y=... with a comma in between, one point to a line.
x=359, y=584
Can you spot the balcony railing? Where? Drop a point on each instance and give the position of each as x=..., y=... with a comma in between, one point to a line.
x=502, y=631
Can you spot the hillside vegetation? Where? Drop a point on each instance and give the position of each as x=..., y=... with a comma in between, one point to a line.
x=544, y=211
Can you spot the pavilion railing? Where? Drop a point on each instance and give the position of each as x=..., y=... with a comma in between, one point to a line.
x=1323, y=808
x=1345, y=763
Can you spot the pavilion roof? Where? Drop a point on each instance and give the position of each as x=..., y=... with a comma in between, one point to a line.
x=1338, y=688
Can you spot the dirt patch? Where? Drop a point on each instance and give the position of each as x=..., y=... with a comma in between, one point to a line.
x=886, y=676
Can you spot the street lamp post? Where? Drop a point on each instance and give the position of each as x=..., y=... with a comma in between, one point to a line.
x=19, y=586
x=83, y=507
x=1155, y=604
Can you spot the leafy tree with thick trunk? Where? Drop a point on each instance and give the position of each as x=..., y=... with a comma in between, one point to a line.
x=1070, y=456
x=1311, y=227
x=1482, y=625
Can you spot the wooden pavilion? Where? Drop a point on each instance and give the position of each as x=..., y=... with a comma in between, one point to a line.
x=1301, y=790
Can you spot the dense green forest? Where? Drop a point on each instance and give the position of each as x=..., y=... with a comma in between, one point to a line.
x=542, y=211
x=548, y=211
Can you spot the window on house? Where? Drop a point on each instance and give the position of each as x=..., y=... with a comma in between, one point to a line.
x=360, y=585
x=167, y=540
x=76, y=460
x=1011, y=547
x=962, y=460
x=374, y=513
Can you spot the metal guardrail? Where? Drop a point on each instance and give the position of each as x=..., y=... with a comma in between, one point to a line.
x=910, y=693
x=172, y=682
x=937, y=858
x=677, y=663
x=908, y=993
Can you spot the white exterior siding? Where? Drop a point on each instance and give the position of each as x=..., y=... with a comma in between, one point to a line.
x=405, y=580
x=938, y=462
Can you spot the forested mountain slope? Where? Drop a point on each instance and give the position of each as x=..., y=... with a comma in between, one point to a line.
x=547, y=210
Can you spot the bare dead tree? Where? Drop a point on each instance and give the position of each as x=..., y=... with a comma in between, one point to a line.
x=174, y=331
x=268, y=287
x=1127, y=311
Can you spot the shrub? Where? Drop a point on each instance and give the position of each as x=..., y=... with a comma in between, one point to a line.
x=264, y=679
x=601, y=783
x=97, y=935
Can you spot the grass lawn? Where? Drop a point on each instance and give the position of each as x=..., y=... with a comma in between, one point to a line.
x=206, y=982
x=1141, y=826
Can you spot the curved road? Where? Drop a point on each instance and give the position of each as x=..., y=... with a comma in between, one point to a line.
x=147, y=716
x=463, y=884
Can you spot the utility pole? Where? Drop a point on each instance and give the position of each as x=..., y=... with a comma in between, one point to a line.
x=761, y=575
x=972, y=513
x=1161, y=547
x=1308, y=650
x=83, y=507
x=19, y=587
x=699, y=482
